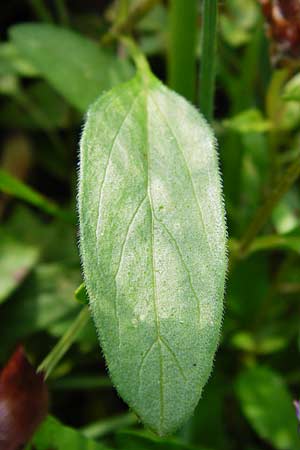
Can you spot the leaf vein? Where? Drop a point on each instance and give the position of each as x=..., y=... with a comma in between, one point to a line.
x=120, y=262
x=183, y=262
x=145, y=356
x=127, y=115
x=188, y=171
x=161, y=375
x=171, y=351
x=135, y=213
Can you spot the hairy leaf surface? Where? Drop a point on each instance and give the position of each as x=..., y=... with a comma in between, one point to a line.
x=153, y=246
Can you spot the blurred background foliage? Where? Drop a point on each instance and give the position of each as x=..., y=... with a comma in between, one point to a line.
x=51, y=69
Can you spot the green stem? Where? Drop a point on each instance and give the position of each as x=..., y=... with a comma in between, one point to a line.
x=103, y=427
x=208, y=58
x=40, y=119
x=52, y=359
x=274, y=106
x=15, y=187
x=137, y=55
x=122, y=11
x=135, y=14
x=182, y=47
x=41, y=10
x=81, y=382
x=263, y=213
x=241, y=79
x=62, y=12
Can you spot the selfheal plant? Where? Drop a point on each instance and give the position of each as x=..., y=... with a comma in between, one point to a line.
x=152, y=238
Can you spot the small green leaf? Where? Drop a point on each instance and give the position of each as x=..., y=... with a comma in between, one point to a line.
x=52, y=434
x=239, y=19
x=292, y=89
x=81, y=294
x=249, y=121
x=71, y=63
x=268, y=340
x=268, y=406
x=16, y=260
x=289, y=116
x=153, y=246
x=285, y=217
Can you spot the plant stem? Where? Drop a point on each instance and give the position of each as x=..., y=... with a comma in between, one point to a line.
x=103, y=427
x=263, y=213
x=52, y=359
x=62, y=12
x=80, y=382
x=41, y=10
x=15, y=187
x=241, y=81
x=134, y=15
x=40, y=119
x=137, y=55
x=182, y=47
x=208, y=57
x=274, y=104
x=122, y=11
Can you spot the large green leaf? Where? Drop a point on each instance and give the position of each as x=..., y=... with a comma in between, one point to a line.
x=52, y=434
x=153, y=246
x=268, y=406
x=73, y=64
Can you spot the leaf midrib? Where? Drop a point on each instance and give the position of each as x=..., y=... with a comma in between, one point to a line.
x=158, y=335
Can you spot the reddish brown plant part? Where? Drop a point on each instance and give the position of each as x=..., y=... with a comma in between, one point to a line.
x=283, y=25
x=23, y=401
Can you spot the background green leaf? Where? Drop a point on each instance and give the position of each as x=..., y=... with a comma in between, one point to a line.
x=16, y=260
x=72, y=64
x=249, y=121
x=53, y=434
x=268, y=406
x=46, y=298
